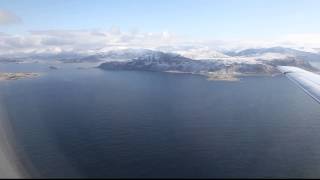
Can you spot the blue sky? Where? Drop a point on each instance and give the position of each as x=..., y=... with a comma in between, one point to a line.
x=195, y=18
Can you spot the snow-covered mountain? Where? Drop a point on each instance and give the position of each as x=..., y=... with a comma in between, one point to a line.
x=275, y=53
x=202, y=53
x=78, y=57
x=123, y=55
x=168, y=62
x=197, y=60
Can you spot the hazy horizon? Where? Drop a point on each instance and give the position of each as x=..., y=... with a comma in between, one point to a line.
x=59, y=26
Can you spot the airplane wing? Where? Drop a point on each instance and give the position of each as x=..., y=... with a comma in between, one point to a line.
x=307, y=81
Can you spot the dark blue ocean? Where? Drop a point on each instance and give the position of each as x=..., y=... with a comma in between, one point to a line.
x=88, y=122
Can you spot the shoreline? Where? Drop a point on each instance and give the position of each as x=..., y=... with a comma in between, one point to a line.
x=212, y=76
x=215, y=76
x=16, y=76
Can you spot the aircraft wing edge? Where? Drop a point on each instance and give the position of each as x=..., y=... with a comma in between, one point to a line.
x=307, y=81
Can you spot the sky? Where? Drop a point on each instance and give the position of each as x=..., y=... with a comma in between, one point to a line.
x=224, y=20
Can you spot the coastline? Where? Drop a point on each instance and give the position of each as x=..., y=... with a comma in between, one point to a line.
x=212, y=76
x=16, y=76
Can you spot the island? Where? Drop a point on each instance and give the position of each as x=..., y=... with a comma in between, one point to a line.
x=19, y=75
x=53, y=67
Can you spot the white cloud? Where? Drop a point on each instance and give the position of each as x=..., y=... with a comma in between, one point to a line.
x=7, y=18
x=305, y=40
x=86, y=41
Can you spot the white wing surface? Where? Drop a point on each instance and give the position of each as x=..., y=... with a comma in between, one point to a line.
x=308, y=81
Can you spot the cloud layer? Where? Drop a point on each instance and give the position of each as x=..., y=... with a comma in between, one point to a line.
x=89, y=41
x=83, y=41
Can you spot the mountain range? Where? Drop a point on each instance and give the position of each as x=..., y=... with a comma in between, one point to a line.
x=249, y=61
x=203, y=61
